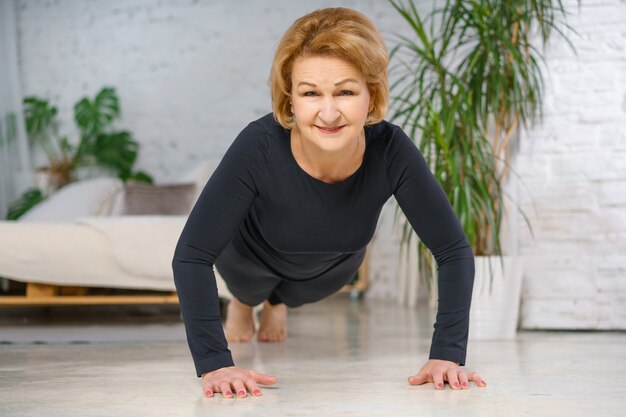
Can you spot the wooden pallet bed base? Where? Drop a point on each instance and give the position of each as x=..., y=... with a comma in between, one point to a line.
x=47, y=295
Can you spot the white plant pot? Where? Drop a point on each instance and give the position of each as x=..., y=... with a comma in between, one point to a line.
x=494, y=314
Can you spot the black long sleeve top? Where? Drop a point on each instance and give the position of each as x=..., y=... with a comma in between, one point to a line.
x=260, y=200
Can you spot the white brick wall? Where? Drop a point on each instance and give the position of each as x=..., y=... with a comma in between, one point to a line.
x=190, y=75
x=574, y=165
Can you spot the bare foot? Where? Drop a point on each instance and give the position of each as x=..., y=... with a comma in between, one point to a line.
x=273, y=326
x=239, y=326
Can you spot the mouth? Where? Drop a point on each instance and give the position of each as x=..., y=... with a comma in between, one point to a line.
x=329, y=130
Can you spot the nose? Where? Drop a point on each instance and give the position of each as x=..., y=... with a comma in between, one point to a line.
x=329, y=112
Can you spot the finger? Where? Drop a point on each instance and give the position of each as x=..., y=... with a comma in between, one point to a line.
x=263, y=379
x=438, y=379
x=206, y=388
x=419, y=379
x=463, y=380
x=453, y=380
x=240, y=390
x=225, y=390
x=477, y=379
x=252, y=387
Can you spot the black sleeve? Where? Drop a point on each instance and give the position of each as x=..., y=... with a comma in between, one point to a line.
x=432, y=217
x=215, y=218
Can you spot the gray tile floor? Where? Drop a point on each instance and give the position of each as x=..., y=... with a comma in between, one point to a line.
x=342, y=358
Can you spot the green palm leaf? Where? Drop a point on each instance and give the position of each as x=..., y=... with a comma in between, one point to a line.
x=451, y=87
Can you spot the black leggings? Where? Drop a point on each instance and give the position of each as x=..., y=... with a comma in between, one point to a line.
x=252, y=284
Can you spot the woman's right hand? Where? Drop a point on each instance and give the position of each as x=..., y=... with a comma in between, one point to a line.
x=221, y=380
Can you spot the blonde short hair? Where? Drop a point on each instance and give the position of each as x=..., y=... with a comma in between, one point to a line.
x=332, y=32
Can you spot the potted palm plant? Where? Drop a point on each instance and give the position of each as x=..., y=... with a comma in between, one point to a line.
x=464, y=87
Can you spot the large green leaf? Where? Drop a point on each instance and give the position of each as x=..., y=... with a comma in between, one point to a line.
x=93, y=117
x=25, y=202
x=116, y=150
x=141, y=176
x=39, y=115
x=41, y=126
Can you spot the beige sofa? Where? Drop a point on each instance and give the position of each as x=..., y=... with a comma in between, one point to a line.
x=80, y=238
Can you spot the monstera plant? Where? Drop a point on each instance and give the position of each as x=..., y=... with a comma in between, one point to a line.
x=99, y=145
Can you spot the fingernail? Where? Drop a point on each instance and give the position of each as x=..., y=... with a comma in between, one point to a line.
x=256, y=392
x=464, y=384
x=439, y=386
x=208, y=394
x=241, y=393
x=228, y=393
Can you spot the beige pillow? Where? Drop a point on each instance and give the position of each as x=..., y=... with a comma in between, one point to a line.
x=89, y=197
x=141, y=198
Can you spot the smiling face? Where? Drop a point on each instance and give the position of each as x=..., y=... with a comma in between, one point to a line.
x=330, y=102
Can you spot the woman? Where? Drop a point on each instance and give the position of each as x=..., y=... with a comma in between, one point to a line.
x=288, y=213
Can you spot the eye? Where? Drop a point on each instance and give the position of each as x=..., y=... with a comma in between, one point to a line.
x=341, y=93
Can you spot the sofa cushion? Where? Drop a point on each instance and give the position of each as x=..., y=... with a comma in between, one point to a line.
x=90, y=197
x=158, y=199
x=199, y=175
x=140, y=245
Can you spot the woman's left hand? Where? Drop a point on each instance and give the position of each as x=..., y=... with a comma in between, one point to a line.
x=438, y=371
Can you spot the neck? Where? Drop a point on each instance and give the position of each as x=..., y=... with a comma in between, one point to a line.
x=324, y=165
